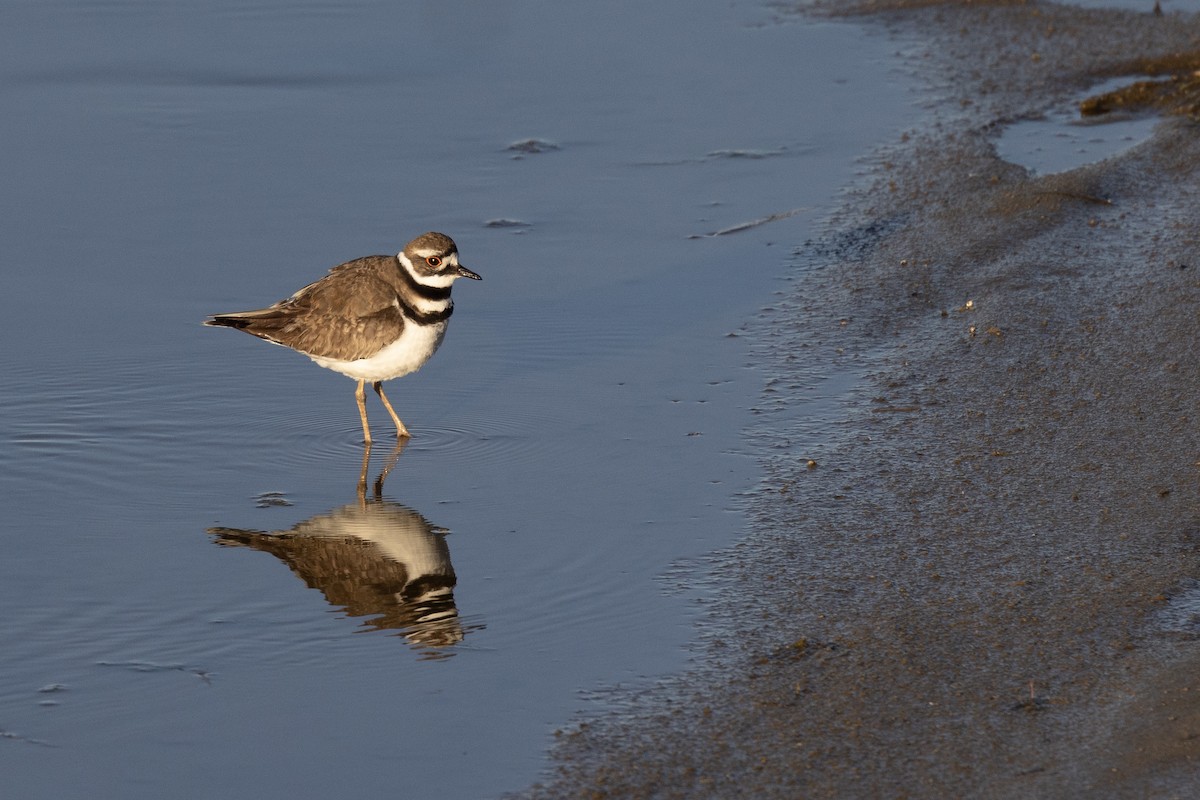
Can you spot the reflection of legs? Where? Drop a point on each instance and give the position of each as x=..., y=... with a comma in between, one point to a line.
x=361, y=397
x=401, y=431
x=362, y=476
x=387, y=467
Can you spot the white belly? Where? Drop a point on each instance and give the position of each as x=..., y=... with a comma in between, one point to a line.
x=406, y=354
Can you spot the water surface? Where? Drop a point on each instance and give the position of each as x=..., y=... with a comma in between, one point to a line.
x=168, y=629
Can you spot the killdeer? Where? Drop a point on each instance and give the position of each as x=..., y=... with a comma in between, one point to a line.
x=373, y=318
x=378, y=560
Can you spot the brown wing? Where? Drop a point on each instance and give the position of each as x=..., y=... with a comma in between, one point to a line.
x=350, y=571
x=349, y=314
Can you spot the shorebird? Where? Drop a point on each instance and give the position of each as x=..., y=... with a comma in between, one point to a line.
x=374, y=318
x=379, y=560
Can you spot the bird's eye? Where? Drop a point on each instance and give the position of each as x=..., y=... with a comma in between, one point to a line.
x=433, y=261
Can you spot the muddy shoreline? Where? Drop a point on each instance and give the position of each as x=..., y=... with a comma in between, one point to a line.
x=961, y=595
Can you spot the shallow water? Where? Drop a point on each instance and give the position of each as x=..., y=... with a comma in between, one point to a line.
x=576, y=438
x=1063, y=140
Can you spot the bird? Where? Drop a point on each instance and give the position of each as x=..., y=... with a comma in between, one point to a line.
x=375, y=559
x=373, y=319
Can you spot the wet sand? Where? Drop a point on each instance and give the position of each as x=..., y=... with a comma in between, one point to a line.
x=961, y=595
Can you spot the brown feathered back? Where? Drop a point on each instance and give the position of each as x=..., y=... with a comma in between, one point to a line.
x=350, y=318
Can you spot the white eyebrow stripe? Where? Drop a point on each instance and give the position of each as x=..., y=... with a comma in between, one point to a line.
x=451, y=257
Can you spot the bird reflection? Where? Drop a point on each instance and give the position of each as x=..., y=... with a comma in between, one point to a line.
x=375, y=559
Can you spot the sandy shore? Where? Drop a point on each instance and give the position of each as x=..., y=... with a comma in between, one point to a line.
x=965, y=594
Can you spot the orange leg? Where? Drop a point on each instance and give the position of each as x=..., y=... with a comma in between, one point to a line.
x=401, y=431
x=361, y=397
